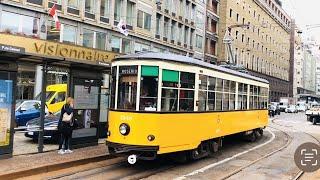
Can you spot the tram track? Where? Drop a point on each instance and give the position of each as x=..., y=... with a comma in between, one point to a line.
x=297, y=175
x=300, y=173
x=289, y=141
x=120, y=169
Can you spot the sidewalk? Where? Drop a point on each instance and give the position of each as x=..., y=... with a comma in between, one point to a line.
x=23, y=165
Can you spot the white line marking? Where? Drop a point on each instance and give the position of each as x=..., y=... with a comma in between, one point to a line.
x=226, y=160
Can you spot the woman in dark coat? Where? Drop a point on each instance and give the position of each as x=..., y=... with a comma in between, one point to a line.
x=65, y=126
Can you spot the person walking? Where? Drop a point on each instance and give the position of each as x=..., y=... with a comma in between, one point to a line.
x=65, y=126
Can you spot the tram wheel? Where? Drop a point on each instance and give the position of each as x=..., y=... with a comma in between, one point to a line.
x=252, y=137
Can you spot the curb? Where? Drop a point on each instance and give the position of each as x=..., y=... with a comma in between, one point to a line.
x=53, y=167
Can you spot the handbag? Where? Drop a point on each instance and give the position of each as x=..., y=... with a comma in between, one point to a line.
x=67, y=117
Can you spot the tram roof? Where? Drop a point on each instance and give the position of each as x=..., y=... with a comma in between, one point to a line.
x=186, y=60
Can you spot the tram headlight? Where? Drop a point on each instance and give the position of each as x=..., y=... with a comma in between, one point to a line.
x=124, y=129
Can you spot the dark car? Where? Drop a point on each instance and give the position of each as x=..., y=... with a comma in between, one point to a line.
x=50, y=128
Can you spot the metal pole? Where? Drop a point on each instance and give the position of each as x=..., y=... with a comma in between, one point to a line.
x=43, y=106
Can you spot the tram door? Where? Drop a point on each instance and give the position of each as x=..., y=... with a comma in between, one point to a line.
x=86, y=93
x=7, y=81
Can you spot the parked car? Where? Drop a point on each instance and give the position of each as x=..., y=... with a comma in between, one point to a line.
x=291, y=109
x=313, y=114
x=50, y=128
x=301, y=108
x=26, y=110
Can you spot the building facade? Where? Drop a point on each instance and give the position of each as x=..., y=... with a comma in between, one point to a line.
x=298, y=72
x=212, y=33
x=262, y=46
x=172, y=26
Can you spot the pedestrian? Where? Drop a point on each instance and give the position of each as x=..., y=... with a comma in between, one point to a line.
x=65, y=126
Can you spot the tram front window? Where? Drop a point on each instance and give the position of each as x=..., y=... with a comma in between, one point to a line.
x=127, y=90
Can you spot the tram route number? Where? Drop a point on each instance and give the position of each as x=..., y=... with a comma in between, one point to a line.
x=125, y=118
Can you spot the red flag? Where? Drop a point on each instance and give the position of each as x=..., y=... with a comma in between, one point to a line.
x=53, y=13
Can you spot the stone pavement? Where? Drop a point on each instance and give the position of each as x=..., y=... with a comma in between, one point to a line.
x=23, y=165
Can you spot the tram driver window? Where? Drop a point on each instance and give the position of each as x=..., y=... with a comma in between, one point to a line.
x=127, y=90
x=149, y=88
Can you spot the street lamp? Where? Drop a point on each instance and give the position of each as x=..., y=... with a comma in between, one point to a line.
x=228, y=40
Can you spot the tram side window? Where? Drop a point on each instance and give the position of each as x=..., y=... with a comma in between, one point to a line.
x=219, y=86
x=186, y=100
x=211, y=100
x=226, y=97
x=211, y=93
x=251, y=100
x=127, y=90
x=113, y=86
x=202, y=96
x=232, y=95
x=218, y=101
x=149, y=88
x=187, y=80
x=169, y=95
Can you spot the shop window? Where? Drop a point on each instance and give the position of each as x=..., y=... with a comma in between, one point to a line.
x=186, y=100
x=90, y=6
x=127, y=87
x=23, y=25
x=88, y=37
x=149, y=88
x=187, y=80
x=105, y=8
x=144, y=20
x=101, y=40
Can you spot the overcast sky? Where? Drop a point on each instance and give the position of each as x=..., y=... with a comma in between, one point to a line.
x=305, y=12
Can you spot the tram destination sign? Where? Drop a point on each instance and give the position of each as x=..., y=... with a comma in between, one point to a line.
x=13, y=49
x=128, y=70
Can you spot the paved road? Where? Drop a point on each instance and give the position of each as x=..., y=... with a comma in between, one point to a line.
x=24, y=145
x=269, y=158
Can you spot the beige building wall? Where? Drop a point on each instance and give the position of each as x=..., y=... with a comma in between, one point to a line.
x=264, y=46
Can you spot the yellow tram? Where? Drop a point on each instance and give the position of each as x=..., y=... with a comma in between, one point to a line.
x=165, y=103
